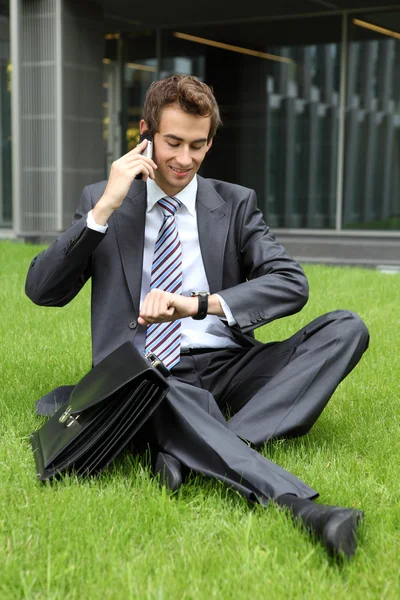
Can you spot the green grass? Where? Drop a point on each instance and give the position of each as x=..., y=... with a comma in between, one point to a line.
x=121, y=537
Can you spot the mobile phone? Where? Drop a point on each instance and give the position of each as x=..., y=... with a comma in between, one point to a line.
x=148, y=151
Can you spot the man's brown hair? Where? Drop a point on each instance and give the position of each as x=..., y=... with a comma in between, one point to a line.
x=189, y=93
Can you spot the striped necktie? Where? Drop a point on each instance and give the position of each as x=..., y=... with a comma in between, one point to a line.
x=164, y=339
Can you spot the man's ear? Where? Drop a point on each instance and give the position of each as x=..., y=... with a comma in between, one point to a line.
x=209, y=144
x=143, y=126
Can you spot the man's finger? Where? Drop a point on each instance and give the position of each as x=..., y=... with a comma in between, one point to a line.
x=156, y=308
x=137, y=149
x=138, y=158
x=160, y=307
x=150, y=305
x=141, y=164
x=140, y=168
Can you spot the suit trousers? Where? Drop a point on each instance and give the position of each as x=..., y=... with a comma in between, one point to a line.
x=219, y=399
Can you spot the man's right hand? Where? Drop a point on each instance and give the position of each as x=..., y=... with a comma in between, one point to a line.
x=123, y=172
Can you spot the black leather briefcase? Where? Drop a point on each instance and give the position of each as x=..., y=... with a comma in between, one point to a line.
x=106, y=409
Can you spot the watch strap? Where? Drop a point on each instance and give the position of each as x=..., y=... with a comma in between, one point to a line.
x=203, y=305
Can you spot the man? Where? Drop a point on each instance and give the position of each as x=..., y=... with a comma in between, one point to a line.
x=148, y=245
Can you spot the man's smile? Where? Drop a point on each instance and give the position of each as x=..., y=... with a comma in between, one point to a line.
x=180, y=172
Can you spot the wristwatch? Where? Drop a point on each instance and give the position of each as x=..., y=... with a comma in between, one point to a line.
x=203, y=305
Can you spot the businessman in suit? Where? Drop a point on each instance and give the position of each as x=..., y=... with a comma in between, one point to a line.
x=186, y=267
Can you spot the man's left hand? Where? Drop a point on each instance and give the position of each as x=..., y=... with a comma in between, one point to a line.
x=160, y=307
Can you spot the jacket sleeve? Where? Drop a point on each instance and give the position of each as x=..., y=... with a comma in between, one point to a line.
x=275, y=285
x=57, y=274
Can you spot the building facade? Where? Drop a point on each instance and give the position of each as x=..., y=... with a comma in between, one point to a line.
x=309, y=94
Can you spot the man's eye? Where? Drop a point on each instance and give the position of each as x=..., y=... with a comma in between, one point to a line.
x=197, y=147
x=173, y=145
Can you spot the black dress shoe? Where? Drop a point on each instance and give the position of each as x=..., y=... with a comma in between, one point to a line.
x=335, y=526
x=169, y=469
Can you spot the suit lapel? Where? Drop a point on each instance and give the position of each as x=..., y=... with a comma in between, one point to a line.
x=130, y=221
x=213, y=223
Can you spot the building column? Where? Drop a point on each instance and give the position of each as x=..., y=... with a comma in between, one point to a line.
x=57, y=51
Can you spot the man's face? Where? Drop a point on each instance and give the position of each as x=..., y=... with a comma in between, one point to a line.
x=180, y=147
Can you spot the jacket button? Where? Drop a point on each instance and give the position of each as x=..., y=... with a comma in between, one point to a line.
x=133, y=325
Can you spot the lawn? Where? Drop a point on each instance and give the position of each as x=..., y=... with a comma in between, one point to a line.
x=121, y=537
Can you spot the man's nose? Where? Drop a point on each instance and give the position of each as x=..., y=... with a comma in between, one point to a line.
x=183, y=157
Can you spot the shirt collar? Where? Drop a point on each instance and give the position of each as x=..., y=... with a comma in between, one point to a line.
x=187, y=196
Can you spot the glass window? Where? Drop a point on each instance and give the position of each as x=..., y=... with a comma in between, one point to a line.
x=372, y=150
x=278, y=88
x=130, y=66
x=140, y=70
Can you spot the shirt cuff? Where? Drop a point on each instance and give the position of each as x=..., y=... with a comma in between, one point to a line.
x=91, y=224
x=228, y=315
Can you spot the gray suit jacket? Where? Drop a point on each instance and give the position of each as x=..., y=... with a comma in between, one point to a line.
x=243, y=262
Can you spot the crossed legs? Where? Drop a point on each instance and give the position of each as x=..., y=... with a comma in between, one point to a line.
x=279, y=390
x=274, y=390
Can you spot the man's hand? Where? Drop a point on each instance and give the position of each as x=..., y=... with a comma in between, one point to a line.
x=160, y=307
x=123, y=172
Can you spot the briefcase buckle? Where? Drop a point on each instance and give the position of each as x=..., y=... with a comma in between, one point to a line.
x=156, y=362
x=153, y=358
x=72, y=421
x=65, y=415
x=67, y=418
